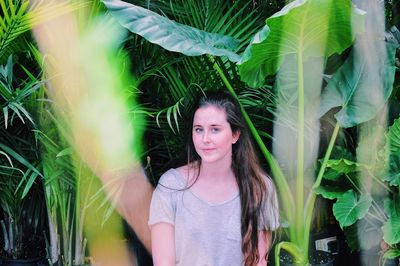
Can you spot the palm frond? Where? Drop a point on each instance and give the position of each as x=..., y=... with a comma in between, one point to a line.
x=16, y=98
x=20, y=16
x=173, y=111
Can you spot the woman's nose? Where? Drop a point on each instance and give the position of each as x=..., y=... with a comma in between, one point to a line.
x=206, y=137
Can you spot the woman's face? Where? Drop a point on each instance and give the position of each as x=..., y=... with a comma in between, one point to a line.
x=212, y=135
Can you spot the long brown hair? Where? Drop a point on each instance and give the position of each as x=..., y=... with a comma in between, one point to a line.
x=249, y=176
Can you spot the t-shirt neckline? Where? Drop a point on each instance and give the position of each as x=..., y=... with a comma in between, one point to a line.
x=182, y=178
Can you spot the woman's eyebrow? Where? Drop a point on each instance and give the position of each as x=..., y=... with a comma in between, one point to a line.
x=211, y=125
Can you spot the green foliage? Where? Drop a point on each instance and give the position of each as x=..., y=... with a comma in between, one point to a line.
x=393, y=139
x=362, y=235
x=350, y=207
x=392, y=254
x=21, y=210
x=343, y=166
x=167, y=81
x=18, y=164
x=16, y=97
x=393, y=176
x=393, y=136
x=354, y=209
x=308, y=28
x=171, y=35
x=350, y=87
x=329, y=192
x=18, y=17
x=391, y=232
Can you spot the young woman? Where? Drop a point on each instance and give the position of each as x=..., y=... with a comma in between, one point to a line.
x=220, y=208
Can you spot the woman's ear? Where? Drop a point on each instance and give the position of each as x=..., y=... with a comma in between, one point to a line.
x=235, y=136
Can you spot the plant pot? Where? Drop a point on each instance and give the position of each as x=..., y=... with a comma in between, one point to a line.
x=317, y=258
x=45, y=262
x=20, y=262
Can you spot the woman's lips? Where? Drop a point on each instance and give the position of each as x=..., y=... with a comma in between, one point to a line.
x=208, y=149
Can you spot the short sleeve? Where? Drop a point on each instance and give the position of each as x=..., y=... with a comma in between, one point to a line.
x=269, y=216
x=163, y=202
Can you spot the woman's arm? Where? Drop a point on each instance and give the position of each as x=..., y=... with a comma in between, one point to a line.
x=163, y=244
x=264, y=245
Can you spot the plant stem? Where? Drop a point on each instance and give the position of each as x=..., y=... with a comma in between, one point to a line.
x=279, y=178
x=309, y=207
x=5, y=237
x=300, y=151
x=78, y=256
x=375, y=217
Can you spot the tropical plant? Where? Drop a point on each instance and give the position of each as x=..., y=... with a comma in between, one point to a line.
x=76, y=132
x=66, y=243
x=300, y=37
x=21, y=221
x=21, y=210
x=357, y=207
x=18, y=18
x=22, y=112
x=167, y=81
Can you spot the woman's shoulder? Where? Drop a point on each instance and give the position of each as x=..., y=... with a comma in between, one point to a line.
x=175, y=178
x=170, y=180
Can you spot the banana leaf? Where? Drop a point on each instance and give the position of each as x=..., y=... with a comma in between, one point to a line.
x=171, y=35
x=307, y=28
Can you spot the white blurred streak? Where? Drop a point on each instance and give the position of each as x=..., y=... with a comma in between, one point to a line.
x=372, y=49
x=286, y=122
x=86, y=91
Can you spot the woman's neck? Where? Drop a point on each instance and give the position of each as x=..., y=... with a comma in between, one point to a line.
x=216, y=171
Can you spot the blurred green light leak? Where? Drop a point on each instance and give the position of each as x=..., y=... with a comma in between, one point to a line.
x=93, y=98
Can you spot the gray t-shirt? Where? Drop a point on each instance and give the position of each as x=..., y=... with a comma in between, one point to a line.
x=205, y=234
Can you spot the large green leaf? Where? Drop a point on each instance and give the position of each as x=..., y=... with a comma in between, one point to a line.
x=309, y=28
x=392, y=206
x=393, y=140
x=391, y=230
x=333, y=175
x=393, y=136
x=169, y=34
x=329, y=192
x=359, y=87
x=343, y=166
x=349, y=208
x=393, y=175
x=392, y=254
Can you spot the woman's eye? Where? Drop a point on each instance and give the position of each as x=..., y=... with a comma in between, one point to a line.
x=197, y=129
x=214, y=130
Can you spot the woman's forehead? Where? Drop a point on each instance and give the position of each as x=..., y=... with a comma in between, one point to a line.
x=210, y=114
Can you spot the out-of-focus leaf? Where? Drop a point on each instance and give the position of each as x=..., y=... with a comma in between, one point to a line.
x=392, y=254
x=392, y=206
x=391, y=230
x=362, y=235
x=393, y=136
x=393, y=175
